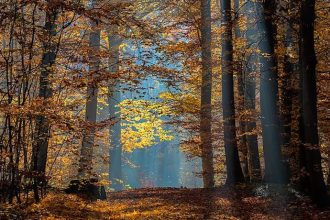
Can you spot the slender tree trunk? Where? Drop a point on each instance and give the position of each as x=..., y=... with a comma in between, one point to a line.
x=86, y=156
x=206, y=92
x=114, y=112
x=242, y=141
x=242, y=145
x=289, y=96
x=252, y=38
x=251, y=127
x=274, y=169
x=310, y=140
x=40, y=146
x=234, y=170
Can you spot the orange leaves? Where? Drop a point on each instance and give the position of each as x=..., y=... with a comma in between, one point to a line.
x=221, y=203
x=178, y=47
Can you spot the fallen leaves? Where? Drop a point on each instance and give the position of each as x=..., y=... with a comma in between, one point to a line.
x=169, y=203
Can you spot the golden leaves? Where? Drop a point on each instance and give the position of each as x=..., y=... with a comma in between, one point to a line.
x=143, y=124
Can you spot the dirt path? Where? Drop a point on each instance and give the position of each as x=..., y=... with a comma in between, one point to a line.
x=164, y=203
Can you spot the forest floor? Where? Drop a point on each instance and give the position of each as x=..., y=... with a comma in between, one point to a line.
x=241, y=202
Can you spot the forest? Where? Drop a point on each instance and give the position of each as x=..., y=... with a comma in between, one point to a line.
x=164, y=109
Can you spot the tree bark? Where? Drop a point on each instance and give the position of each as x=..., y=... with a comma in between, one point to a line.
x=242, y=145
x=274, y=169
x=250, y=70
x=40, y=145
x=86, y=156
x=234, y=170
x=206, y=92
x=289, y=99
x=310, y=149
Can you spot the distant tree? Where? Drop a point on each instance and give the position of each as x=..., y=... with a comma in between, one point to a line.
x=114, y=98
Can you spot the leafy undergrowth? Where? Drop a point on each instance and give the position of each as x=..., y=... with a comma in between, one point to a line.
x=241, y=202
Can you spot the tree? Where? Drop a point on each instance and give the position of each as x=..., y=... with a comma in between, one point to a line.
x=206, y=93
x=288, y=91
x=270, y=122
x=250, y=70
x=40, y=146
x=86, y=156
x=310, y=151
x=234, y=170
x=242, y=144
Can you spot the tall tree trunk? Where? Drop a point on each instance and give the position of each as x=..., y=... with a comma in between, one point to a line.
x=274, y=169
x=310, y=140
x=288, y=95
x=86, y=156
x=114, y=112
x=40, y=146
x=250, y=70
x=234, y=170
x=242, y=145
x=206, y=92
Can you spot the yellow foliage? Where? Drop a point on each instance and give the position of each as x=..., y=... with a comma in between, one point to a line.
x=143, y=124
